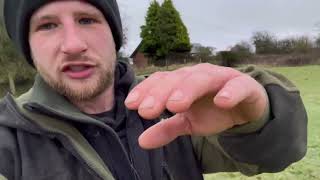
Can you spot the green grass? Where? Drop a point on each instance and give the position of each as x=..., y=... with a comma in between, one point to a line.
x=307, y=80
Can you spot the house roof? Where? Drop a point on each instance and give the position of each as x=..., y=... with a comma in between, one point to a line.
x=136, y=50
x=194, y=49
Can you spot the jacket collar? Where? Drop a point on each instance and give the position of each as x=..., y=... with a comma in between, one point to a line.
x=43, y=94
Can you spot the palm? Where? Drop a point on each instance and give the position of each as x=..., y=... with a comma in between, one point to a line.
x=206, y=118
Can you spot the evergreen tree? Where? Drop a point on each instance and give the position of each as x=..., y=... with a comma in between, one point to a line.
x=173, y=33
x=150, y=31
x=164, y=31
x=171, y=17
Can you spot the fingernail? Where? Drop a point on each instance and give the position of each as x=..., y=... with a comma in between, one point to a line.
x=176, y=96
x=147, y=103
x=225, y=95
x=134, y=96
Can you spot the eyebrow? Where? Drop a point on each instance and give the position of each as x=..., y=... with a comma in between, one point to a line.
x=93, y=14
x=41, y=18
x=80, y=13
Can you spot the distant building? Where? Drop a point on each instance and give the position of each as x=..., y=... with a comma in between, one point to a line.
x=140, y=60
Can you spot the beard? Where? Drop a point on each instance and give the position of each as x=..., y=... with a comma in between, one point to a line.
x=86, y=89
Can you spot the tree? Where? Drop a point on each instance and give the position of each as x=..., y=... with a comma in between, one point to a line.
x=125, y=20
x=164, y=31
x=169, y=15
x=317, y=42
x=121, y=53
x=243, y=49
x=150, y=31
x=202, y=52
x=1, y=8
x=173, y=33
x=13, y=66
x=303, y=44
x=264, y=42
x=286, y=46
x=228, y=58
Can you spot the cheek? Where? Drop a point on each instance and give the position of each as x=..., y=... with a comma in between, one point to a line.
x=108, y=50
x=38, y=48
x=103, y=41
x=42, y=48
x=44, y=42
x=34, y=47
x=43, y=56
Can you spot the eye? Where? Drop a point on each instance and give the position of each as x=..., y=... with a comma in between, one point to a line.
x=87, y=21
x=46, y=26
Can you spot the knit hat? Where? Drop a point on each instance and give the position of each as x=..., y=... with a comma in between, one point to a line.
x=17, y=15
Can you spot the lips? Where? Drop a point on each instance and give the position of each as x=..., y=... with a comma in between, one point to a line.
x=78, y=71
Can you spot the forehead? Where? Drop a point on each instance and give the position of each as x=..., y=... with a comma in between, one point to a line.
x=55, y=8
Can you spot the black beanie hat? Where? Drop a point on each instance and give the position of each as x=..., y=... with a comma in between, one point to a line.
x=17, y=15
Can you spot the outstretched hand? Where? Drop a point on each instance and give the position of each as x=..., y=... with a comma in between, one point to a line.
x=207, y=99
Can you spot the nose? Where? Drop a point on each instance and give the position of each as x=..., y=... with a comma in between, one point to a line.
x=72, y=42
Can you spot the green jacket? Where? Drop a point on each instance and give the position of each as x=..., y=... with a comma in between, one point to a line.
x=38, y=139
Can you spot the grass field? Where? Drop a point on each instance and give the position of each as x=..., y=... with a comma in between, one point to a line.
x=307, y=80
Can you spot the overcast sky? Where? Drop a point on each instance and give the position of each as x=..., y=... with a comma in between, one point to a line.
x=222, y=23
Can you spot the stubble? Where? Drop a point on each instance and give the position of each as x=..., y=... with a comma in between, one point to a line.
x=89, y=88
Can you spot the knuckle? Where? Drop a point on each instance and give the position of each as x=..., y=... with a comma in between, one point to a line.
x=156, y=91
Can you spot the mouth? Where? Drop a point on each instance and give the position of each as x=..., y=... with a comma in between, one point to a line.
x=78, y=71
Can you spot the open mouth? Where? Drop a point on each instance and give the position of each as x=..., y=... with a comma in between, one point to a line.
x=78, y=71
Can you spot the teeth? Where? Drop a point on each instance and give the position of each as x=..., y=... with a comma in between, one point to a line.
x=77, y=68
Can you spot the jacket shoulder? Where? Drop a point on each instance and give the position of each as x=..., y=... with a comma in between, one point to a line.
x=9, y=152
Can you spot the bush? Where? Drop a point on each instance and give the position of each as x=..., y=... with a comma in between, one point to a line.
x=228, y=58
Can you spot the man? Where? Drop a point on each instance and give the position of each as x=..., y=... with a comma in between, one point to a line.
x=87, y=117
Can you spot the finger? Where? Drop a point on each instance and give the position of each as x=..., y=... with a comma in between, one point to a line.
x=197, y=85
x=154, y=102
x=244, y=91
x=137, y=94
x=164, y=132
x=239, y=89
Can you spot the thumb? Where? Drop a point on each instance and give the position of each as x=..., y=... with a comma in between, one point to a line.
x=164, y=132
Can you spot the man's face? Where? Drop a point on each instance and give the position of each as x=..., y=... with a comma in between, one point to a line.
x=73, y=48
